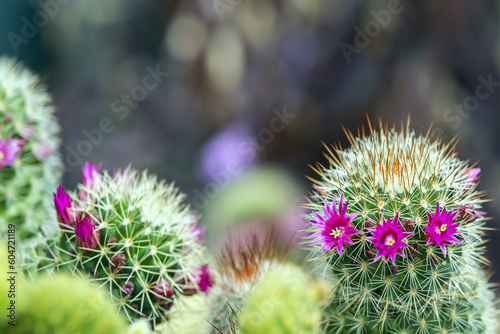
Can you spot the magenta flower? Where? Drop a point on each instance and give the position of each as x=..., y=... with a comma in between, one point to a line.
x=10, y=150
x=204, y=278
x=91, y=175
x=91, y=179
x=203, y=281
x=66, y=212
x=86, y=234
x=441, y=229
x=389, y=238
x=336, y=228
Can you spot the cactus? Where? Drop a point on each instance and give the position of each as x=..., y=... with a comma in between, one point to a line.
x=285, y=302
x=62, y=305
x=30, y=166
x=398, y=230
x=240, y=266
x=133, y=236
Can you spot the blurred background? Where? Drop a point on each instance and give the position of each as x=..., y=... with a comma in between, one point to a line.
x=232, y=98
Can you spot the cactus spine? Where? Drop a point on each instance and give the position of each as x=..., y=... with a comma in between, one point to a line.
x=241, y=266
x=132, y=235
x=399, y=232
x=30, y=166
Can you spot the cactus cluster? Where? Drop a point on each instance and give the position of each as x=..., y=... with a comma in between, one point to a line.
x=286, y=301
x=133, y=235
x=398, y=229
x=240, y=266
x=30, y=166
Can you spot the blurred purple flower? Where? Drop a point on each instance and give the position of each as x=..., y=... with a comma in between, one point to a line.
x=229, y=151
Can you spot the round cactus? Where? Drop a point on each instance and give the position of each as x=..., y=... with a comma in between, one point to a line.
x=397, y=227
x=240, y=266
x=63, y=305
x=133, y=236
x=30, y=166
x=285, y=302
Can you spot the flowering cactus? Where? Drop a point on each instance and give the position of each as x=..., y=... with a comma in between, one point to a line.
x=133, y=235
x=286, y=301
x=397, y=228
x=240, y=267
x=30, y=166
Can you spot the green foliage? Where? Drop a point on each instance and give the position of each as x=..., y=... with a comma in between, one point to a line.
x=285, y=302
x=26, y=115
x=146, y=244
x=382, y=175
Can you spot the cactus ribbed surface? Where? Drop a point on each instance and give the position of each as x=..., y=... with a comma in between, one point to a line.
x=132, y=235
x=30, y=166
x=397, y=229
x=66, y=305
x=241, y=266
x=286, y=301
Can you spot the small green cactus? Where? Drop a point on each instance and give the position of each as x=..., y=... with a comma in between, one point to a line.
x=399, y=232
x=285, y=302
x=63, y=305
x=134, y=236
x=30, y=166
x=242, y=264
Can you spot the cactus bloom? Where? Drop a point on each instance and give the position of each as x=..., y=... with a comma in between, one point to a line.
x=441, y=229
x=204, y=278
x=86, y=234
x=198, y=232
x=64, y=208
x=389, y=238
x=335, y=228
x=10, y=149
x=162, y=289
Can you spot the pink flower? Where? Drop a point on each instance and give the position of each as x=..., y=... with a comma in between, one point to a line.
x=389, y=238
x=203, y=281
x=204, y=278
x=197, y=233
x=91, y=179
x=91, y=175
x=335, y=227
x=471, y=177
x=10, y=150
x=86, y=234
x=162, y=289
x=66, y=212
x=441, y=229
x=44, y=151
x=27, y=132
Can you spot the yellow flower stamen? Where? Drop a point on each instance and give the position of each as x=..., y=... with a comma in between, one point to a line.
x=336, y=232
x=443, y=227
x=390, y=241
x=2, y=155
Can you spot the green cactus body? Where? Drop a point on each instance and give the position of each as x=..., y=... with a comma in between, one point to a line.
x=30, y=166
x=65, y=305
x=140, y=242
x=285, y=302
x=240, y=267
x=398, y=231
